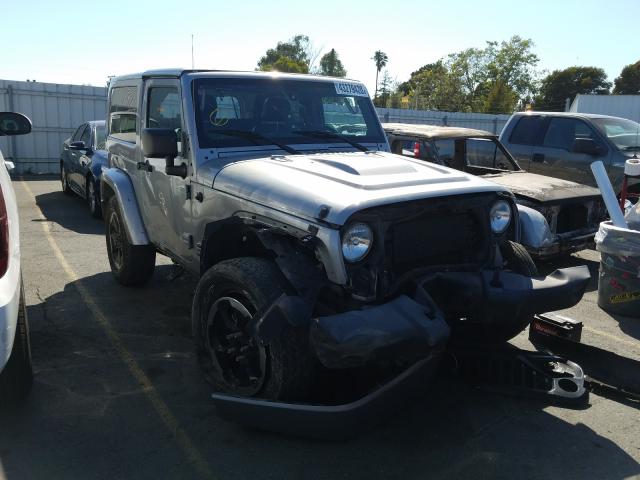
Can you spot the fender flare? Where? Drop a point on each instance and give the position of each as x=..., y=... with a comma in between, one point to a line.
x=115, y=182
x=534, y=228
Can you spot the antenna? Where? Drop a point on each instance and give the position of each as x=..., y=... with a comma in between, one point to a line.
x=192, y=67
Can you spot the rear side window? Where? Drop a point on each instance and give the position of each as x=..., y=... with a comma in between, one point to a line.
x=526, y=130
x=123, y=113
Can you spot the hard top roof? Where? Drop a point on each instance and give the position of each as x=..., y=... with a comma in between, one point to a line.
x=179, y=72
x=565, y=114
x=434, y=131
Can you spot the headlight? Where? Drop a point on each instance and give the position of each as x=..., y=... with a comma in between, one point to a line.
x=356, y=242
x=500, y=216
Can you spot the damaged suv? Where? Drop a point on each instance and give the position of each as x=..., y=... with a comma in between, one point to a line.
x=557, y=216
x=315, y=247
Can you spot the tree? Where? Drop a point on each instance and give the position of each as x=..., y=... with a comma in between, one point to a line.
x=381, y=59
x=559, y=85
x=386, y=89
x=331, y=65
x=464, y=81
x=294, y=55
x=628, y=83
x=500, y=99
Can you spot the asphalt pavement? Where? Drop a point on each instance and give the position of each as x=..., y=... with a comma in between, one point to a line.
x=118, y=392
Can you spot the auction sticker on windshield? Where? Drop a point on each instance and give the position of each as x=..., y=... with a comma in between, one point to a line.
x=343, y=88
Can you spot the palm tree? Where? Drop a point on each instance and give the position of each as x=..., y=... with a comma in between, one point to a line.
x=381, y=60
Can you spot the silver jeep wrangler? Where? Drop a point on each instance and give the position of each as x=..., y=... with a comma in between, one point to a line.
x=316, y=249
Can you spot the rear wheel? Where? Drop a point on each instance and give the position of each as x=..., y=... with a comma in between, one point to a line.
x=227, y=297
x=93, y=198
x=130, y=264
x=64, y=180
x=17, y=376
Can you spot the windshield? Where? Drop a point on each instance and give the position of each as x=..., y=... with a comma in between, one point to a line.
x=284, y=111
x=623, y=133
x=100, y=134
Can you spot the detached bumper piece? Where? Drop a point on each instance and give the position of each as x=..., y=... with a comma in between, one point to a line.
x=330, y=422
x=512, y=371
x=607, y=372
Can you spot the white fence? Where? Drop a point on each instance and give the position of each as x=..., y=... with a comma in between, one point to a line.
x=56, y=111
x=481, y=121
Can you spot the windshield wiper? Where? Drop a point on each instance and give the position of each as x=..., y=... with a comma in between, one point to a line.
x=254, y=137
x=328, y=134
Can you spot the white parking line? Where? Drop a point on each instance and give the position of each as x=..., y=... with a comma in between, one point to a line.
x=168, y=419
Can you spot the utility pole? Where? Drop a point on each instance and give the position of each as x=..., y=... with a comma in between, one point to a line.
x=192, y=64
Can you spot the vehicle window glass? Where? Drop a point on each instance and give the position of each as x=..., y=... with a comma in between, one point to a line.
x=78, y=133
x=526, y=130
x=100, y=134
x=123, y=113
x=485, y=152
x=445, y=150
x=625, y=134
x=343, y=115
x=86, y=137
x=562, y=133
x=164, y=108
x=287, y=111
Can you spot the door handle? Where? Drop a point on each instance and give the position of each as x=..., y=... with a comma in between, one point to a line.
x=146, y=166
x=538, y=157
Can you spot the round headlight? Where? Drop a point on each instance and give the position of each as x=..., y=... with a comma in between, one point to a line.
x=356, y=242
x=500, y=216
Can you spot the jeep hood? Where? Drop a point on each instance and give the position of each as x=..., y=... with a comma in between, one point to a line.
x=543, y=189
x=302, y=185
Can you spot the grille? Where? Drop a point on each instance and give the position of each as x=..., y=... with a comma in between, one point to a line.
x=572, y=217
x=435, y=240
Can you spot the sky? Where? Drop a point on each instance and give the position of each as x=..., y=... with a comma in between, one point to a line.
x=64, y=41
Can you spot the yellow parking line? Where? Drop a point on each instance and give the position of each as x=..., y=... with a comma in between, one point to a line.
x=635, y=345
x=171, y=423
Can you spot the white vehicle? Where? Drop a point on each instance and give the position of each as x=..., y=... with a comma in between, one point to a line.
x=16, y=374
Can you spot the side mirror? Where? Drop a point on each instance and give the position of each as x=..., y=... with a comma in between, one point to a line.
x=163, y=143
x=12, y=123
x=587, y=146
x=79, y=145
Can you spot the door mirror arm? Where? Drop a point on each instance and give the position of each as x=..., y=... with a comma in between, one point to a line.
x=175, y=170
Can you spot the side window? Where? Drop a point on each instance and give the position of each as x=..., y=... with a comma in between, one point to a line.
x=86, y=137
x=164, y=108
x=526, y=130
x=77, y=135
x=123, y=113
x=562, y=133
x=445, y=149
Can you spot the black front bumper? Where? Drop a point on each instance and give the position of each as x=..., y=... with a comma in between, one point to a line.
x=331, y=422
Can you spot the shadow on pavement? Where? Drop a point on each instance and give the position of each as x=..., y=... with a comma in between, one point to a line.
x=68, y=211
x=88, y=417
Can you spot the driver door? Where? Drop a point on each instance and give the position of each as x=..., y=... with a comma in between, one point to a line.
x=165, y=204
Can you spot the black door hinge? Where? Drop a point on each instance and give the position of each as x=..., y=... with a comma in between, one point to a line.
x=188, y=191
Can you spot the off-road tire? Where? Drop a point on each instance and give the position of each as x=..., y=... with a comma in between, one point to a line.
x=130, y=264
x=290, y=367
x=93, y=198
x=64, y=180
x=517, y=260
x=16, y=378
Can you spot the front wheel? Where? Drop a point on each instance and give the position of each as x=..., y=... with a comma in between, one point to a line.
x=227, y=297
x=17, y=376
x=130, y=264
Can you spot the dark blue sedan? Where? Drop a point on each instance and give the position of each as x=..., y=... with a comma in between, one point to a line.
x=81, y=161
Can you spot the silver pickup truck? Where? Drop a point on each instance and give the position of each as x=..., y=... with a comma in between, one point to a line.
x=315, y=247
